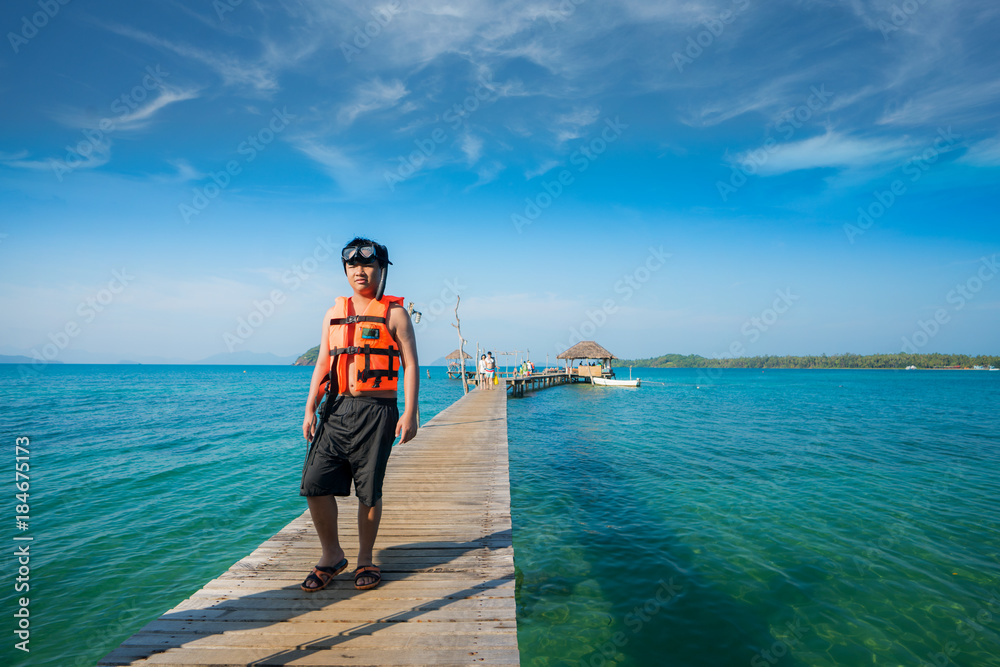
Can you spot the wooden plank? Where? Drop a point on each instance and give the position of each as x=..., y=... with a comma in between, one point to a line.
x=446, y=551
x=319, y=628
x=341, y=655
x=365, y=639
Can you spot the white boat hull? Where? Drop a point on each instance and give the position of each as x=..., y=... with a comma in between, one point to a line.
x=605, y=382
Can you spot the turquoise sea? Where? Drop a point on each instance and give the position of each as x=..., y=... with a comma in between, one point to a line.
x=746, y=518
x=707, y=518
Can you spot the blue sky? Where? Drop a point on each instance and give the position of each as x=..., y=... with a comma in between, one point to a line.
x=695, y=177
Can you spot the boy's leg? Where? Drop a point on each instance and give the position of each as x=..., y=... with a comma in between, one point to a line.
x=368, y=520
x=323, y=510
x=376, y=422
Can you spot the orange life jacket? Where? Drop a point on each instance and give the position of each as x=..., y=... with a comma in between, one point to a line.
x=366, y=338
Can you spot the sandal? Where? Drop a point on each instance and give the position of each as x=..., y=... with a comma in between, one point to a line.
x=370, y=572
x=321, y=576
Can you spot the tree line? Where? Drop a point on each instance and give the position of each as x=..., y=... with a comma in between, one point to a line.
x=896, y=360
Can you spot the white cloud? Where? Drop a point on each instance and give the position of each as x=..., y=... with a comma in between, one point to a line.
x=92, y=153
x=184, y=173
x=541, y=169
x=11, y=157
x=93, y=149
x=486, y=174
x=964, y=102
x=233, y=71
x=827, y=150
x=777, y=95
x=984, y=154
x=352, y=177
x=372, y=96
x=135, y=119
x=472, y=146
x=572, y=124
x=141, y=116
x=335, y=161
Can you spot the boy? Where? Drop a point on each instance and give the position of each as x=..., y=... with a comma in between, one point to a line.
x=366, y=339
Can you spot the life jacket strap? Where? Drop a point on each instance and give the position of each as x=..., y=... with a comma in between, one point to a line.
x=377, y=374
x=366, y=350
x=357, y=318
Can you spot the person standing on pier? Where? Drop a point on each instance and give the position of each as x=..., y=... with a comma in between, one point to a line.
x=367, y=337
x=481, y=371
x=491, y=369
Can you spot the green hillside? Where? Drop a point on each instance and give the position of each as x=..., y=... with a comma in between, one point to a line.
x=308, y=358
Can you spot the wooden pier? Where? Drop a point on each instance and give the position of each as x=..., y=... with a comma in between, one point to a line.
x=518, y=384
x=447, y=558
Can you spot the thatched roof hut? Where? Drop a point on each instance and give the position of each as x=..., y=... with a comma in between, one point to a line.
x=587, y=349
x=455, y=355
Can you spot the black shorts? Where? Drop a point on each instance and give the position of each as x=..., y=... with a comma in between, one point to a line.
x=355, y=443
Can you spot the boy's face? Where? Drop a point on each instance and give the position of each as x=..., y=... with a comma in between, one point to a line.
x=364, y=278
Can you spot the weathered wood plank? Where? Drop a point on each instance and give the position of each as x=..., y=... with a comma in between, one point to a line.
x=402, y=588
x=367, y=639
x=341, y=655
x=446, y=552
x=320, y=628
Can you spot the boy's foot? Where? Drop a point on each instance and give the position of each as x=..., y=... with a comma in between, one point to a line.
x=367, y=576
x=322, y=575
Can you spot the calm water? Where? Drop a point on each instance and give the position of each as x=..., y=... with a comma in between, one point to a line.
x=147, y=482
x=778, y=518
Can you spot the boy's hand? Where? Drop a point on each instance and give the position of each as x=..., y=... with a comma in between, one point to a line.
x=309, y=426
x=406, y=427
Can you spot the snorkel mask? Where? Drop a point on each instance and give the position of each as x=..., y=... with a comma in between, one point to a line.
x=369, y=254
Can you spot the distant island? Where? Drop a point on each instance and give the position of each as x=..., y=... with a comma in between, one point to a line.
x=308, y=358
x=19, y=359
x=898, y=360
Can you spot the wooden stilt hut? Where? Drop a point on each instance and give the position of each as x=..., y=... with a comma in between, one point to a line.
x=585, y=351
x=455, y=368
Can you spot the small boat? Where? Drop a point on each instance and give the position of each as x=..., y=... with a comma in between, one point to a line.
x=608, y=382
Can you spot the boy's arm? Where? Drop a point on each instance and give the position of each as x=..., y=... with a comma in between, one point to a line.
x=402, y=331
x=319, y=372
